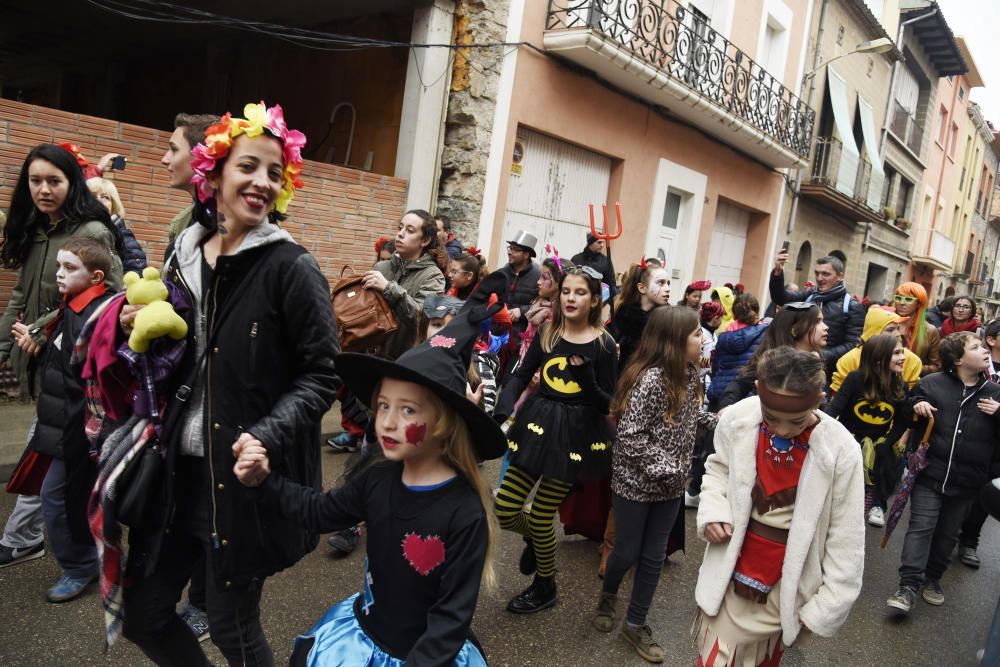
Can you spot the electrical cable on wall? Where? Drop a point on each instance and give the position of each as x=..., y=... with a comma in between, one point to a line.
x=157, y=11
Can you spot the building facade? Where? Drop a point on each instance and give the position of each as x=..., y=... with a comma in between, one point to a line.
x=930, y=53
x=838, y=209
x=685, y=113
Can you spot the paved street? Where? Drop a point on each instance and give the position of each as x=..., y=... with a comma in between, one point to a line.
x=36, y=633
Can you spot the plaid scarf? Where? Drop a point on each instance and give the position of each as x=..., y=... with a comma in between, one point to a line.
x=119, y=449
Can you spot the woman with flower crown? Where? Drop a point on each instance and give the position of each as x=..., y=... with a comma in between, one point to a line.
x=257, y=370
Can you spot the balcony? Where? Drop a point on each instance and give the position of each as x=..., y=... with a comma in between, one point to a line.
x=838, y=185
x=663, y=53
x=933, y=249
x=906, y=129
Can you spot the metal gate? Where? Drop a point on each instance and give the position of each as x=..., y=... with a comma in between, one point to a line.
x=549, y=190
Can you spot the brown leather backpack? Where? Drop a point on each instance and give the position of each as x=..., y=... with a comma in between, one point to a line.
x=364, y=318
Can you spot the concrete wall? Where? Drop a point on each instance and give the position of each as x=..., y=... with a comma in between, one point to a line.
x=337, y=216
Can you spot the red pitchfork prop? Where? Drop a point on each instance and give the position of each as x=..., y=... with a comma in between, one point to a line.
x=606, y=236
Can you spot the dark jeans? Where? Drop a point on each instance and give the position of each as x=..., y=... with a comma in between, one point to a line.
x=77, y=559
x=196, y=591
x=151, y=619
x=973, y=526
x=641, y=536
x=931, y=536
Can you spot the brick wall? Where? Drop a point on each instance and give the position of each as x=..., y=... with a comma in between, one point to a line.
x=337, y=215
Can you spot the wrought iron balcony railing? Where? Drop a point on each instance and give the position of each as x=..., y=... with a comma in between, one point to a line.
x=905, y=127
x=682, y=44
x=826, y=169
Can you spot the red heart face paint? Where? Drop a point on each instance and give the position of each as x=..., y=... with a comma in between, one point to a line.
x=415, y=433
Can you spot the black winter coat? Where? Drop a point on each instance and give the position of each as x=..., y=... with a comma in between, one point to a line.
x=133, y=257
x=268, y=371
x=60, y=404
x=627, y=328
x=965, y=442
x=845, y=327
x=522, y=288
x=60, y=412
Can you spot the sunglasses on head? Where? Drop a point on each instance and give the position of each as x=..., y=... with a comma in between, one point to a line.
x=900, y=298
x=800, y=306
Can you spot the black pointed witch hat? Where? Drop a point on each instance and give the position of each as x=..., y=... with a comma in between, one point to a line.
x=441, y=364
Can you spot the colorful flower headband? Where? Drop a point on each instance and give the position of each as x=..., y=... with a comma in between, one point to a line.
x=219, y=139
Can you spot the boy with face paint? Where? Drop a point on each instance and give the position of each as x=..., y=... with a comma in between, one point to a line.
x=82, y=265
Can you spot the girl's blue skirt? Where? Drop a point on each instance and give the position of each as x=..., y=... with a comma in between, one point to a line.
x=339, y=641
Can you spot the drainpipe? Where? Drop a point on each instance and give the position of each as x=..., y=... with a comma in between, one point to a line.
x=892, y=79
x=817, y=61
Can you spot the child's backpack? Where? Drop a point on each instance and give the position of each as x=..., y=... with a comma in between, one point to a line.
x=364, y=318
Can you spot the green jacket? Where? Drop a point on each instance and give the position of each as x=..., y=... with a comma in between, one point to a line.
x=35, y=299
x=410, y=280
x=180, y=222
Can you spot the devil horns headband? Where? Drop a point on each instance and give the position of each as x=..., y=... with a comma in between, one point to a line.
x=259, y=119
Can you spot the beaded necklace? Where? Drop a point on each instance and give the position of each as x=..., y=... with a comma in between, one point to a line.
x=781, y=450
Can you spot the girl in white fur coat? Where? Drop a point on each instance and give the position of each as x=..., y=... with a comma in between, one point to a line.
x=781, y=507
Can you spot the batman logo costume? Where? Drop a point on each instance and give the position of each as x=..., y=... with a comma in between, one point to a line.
x=877, y=414
x=536, y=429
x=562, y=382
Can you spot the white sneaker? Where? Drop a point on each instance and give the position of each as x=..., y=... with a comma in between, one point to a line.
x=691, y=501
x=876, y=517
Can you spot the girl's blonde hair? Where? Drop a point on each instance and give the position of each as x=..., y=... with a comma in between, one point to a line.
x=102, y=186
x=460, y=455
x=553, y=330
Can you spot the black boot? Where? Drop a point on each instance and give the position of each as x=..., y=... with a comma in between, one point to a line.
x=541, y=594
x=527, y=563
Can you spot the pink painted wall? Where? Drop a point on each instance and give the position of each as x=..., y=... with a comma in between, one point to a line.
x=553, y=99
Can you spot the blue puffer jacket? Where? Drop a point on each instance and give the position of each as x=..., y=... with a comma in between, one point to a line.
x=733, y=350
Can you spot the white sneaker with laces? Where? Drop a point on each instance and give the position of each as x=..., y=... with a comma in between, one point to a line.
x=876, y=517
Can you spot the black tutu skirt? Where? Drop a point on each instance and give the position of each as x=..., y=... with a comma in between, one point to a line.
x=569, y=442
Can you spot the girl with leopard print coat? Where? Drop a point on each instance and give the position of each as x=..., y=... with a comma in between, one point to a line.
x=658, y=406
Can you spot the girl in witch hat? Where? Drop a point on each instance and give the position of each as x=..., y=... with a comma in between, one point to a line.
x=430, y=534
x=561, y=434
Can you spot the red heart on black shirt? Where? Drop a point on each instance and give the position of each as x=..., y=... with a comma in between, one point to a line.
x=423, y=553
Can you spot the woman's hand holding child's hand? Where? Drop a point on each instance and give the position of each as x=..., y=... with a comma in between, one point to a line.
x=252, y=465
x=24, y=340
x=718, y=532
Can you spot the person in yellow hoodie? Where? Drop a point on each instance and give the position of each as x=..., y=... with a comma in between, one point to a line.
x=879, y=320
x=724, y=297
